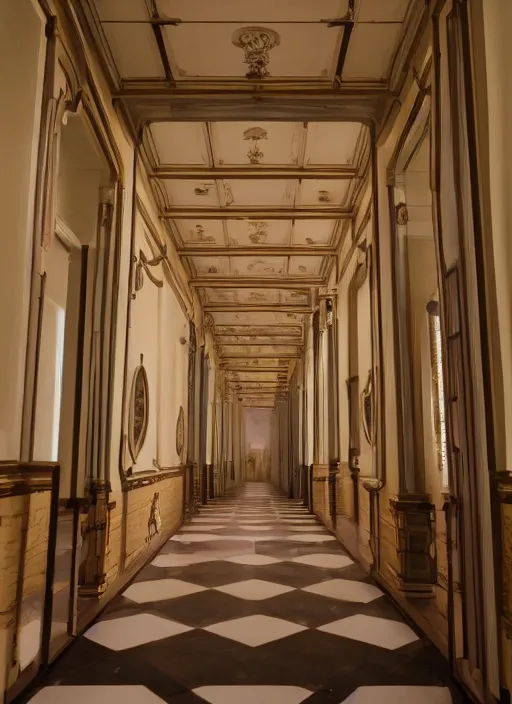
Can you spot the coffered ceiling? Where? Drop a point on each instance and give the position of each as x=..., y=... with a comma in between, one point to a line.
x=253, y=122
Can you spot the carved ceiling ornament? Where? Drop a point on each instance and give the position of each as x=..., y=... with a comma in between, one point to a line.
x=258, y=233
x=255, y=155
x=256, y=43
x=180, y=431
x=229, y=198
x=402, y=215
x=199, y=235
x=139, y=411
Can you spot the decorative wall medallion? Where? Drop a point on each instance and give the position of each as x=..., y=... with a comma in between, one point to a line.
x=256, y=43
x=199, y=235
x=139, y=411
x=367, y=409
x=155, y=520
x=258, y=232
x=402, y=216
x=180, y=431
x=143, y=264
x=255, y=155
x=302, y=269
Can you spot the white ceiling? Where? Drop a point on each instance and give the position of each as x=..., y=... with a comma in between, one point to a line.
x=257, y=208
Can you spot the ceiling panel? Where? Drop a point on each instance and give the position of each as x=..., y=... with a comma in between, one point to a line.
x=255, y=350
x=258, y=319
x=143, y=63
x=379, y=11
x=305, y=266
x=314, y=232
x=196, y=194
x=256, y=232
x=331, y=143
x=321, y=193
x=272, y=193
x=361, y=64
x=250, y=143
x=248, y=11
x=180, y=143
x=211, y=266
x=200, y=232
x=259, y=266
x=300, y=50
x=111, y=10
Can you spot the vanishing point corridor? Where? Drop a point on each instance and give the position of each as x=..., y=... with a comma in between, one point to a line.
x=252, y=602
x=255, y=352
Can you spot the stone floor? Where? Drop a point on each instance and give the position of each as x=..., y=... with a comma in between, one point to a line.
x=253, y=602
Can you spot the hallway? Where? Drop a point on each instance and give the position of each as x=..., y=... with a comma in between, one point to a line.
x=252, y=602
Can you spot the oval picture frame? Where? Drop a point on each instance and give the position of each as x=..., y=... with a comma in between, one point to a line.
x=180, y=431
x=139, y=412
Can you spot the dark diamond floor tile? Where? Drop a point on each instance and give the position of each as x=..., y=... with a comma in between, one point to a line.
x=331, y=667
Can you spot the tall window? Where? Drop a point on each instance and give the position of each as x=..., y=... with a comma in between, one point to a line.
x=438, y=400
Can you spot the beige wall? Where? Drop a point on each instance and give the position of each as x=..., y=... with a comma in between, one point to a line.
x=21, y=80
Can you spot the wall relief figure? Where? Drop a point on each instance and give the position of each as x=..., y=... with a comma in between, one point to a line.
x=155, y=520
x=256, y=43
x=180, y=431
x=367, y=409
x=139, y=411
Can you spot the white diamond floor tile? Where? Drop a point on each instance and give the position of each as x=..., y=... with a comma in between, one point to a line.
x=310, y=538
x=346, y=590
x=174, y=560
x=160, y=589
x=400, y=695
x=255, y=589
x=252, y=521
x=370, y=629
x=196, y=529
x=208, y=520
x=332, y=562
x=257, y=528
x=262, y=694
x=96, y=694
x=254, y=559
x=255, y=630
x=131, y=631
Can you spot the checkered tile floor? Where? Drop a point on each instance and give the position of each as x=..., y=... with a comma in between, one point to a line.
x=253, y=602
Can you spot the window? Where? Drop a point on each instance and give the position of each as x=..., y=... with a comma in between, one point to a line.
x=438, y=400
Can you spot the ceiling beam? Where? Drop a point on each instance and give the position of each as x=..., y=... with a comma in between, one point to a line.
x=252, y=213
x=253, y=282
x=256, y=251
x=259, y=370
x=269, y=308
x=256, y=343
x=238, y=357
x=202, y=173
